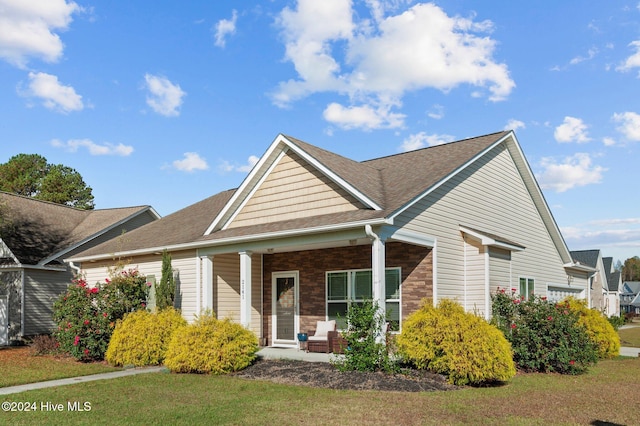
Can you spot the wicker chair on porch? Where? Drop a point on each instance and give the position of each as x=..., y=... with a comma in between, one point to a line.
x=321, y=339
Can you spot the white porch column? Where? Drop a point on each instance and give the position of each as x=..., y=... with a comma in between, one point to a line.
x=378, y=277
x=207, y=282
x=245, y=289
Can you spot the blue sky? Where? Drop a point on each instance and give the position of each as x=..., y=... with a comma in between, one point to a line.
x=166, y=103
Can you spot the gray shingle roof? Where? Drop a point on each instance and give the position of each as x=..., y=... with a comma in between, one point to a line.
x=613, y=281
x=35, y=230
x=586, y=257
x=391, y=182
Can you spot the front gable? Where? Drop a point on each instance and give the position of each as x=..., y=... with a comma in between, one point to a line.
x=288, y=183
x=293, y=189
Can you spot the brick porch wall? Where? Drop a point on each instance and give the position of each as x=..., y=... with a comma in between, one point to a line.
x=415, y=261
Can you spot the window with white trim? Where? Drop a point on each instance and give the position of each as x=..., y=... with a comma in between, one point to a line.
x=345, y=288
x=527, y=287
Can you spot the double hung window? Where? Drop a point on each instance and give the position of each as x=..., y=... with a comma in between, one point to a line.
x=346, y=288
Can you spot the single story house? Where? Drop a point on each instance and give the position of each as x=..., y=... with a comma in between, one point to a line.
x=35, y=236
x=310, y=232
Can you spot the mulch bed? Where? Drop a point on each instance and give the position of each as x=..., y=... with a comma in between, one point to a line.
x=325, y=375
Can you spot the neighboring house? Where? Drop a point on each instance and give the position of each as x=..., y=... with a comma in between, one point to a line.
x=629, y=300
x=34, y=238
x=310, y=232
x=598, y=284
x=614, y=286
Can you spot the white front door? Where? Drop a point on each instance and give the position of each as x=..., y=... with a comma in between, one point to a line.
x=4, y=321
x=284, y=308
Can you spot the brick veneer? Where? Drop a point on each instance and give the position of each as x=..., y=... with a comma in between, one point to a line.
x=415, y=263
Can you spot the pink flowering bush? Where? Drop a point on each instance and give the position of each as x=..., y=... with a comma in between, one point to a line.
x=86, y=316
x=544, y=336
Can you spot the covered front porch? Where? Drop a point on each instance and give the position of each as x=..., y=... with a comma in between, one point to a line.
x=280, y=287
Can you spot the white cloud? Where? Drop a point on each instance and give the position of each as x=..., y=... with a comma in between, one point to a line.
x=224, y=28
x=576, y=170
x=632, y=61
x=420, y=140
x=251, y=161
x=54, y=95
x=572, y=130
x=73, y=145
x=618, y=237
x=28, y=29
x=436, y=112
x=607, y=141
x=164, y=97
x=226, y=166
x=514, y=125
x=591, y=53
x=365, y=117
x=191, y=162
x=376, y=62
x=629, y=124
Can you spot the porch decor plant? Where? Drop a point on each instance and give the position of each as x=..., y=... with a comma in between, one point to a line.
x=545, y=336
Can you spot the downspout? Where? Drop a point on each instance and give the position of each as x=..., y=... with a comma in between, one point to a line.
x=75, y=268
x=377, y=263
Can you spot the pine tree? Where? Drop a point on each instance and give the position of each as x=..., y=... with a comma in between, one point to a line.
x=166, y=288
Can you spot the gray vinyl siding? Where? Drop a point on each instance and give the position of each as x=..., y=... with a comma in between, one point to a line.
x=474, y=294
x=41, y=290
x=489, y=195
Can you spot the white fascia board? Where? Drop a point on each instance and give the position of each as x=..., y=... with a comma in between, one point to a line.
x=486, y=240
x=410, y=237
x=233, y=240
x=96, y=235
x=576, y=266
x=334, y=177
x=260, y=165
x=255, y=187
x=447, y=178
x=549, y=220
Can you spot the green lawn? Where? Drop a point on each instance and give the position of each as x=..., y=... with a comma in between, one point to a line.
x=630, y=336
x=20, y=367
x=601, y=395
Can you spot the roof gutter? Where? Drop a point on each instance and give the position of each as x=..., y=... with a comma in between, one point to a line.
x=235, y=240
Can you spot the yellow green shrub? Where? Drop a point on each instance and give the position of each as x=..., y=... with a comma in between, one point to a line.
x=447, y=340
x=142, y=337
x=211, y=346
x=599, y=329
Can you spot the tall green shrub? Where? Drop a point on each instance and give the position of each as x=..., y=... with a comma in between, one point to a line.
x=545, y=336
x=364, y=323
x=166, y=288
x=447, y=340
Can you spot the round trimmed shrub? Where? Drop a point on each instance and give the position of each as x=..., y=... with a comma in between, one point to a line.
x=600, y=331
x=211, y=346
x=142, y=337
x=447, y=340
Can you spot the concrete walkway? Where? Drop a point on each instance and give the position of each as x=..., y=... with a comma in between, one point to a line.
x=82, y=379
